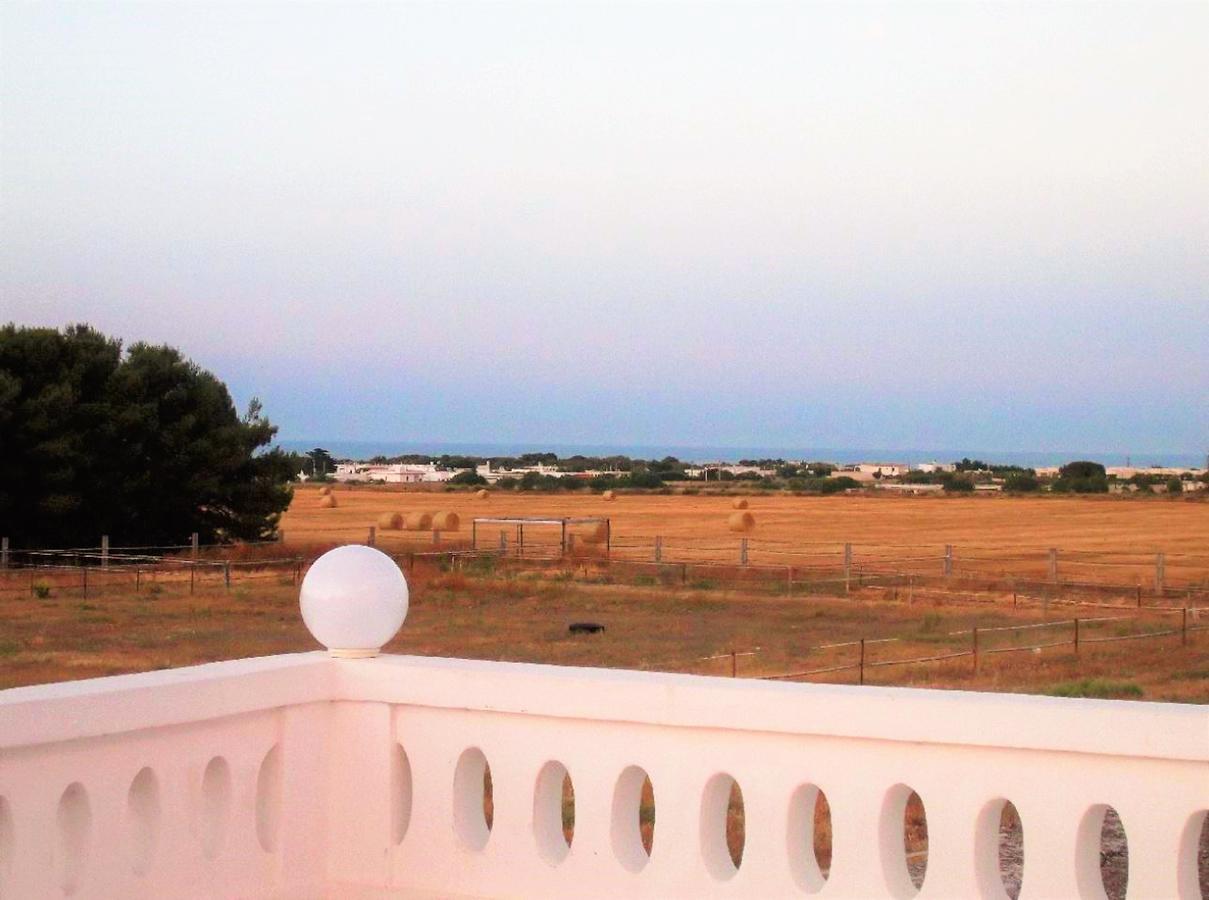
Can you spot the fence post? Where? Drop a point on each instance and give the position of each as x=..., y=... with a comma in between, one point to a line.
x=742, y=551
x=684, y=573
x=1076, y=636
x=847, y=567
x=104, y=551
x=138, y=578
x=3, y=553
x=862, y=665
x=975, y=649
x=226, y=573
x=474, y=535
x=1160, y=565
x=948, y=563
x=734, y=664
x=1053, y=565
x=373, y=534
x=658, y=548
x=86, y=581
x=193, y=541
x=563, y=541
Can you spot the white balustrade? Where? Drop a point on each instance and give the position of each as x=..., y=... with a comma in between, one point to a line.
x=308, y=775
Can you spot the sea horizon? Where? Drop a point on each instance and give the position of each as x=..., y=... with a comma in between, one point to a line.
x=367, y=449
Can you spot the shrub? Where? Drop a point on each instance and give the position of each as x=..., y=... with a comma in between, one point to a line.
x=468, y=477
x=1081, y=477
x=1021, y=483
x=1174, y=486
x=1096, y=688
x=41, y=590
x=957, y=484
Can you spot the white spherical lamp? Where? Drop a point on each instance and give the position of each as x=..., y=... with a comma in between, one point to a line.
x=353, y=599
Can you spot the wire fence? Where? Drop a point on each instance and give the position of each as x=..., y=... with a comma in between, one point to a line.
x=1075, y=636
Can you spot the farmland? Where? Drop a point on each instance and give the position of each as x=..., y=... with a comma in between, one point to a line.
x=57, y=625
x=1103, y=538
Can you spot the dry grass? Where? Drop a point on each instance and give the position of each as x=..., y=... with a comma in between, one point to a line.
x=481, y=613
x=989, y=532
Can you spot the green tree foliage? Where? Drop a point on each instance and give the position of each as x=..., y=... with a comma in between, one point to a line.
x=469, y=476
x=1081, y=477
x=322, y=463
x=1021, y=483
x=144, y=446
x=1174, y=486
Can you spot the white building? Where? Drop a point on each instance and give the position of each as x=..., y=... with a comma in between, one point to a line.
x=930, y=467
x=393, y=473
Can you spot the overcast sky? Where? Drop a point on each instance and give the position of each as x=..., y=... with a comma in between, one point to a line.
x=872, y=225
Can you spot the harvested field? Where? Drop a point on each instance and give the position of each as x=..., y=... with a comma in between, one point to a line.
x=1101, y=539
x=524, y=616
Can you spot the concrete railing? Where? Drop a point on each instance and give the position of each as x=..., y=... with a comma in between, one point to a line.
x=311, y=776
x=301, y=775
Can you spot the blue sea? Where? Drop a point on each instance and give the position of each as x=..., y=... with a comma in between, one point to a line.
x=352, y=449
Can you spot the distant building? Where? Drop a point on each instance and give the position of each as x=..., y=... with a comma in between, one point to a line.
x=930, y=467
x=392, y=473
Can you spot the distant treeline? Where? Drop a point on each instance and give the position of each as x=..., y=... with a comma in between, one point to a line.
x=624, y=472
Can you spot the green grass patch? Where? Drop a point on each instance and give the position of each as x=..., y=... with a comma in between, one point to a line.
x=1097, y=688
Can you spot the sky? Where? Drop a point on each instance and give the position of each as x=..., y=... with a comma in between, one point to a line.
x=844, y=225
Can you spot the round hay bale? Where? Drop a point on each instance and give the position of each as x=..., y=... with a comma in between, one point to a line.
x=740, y=503
x=418, y=521
x=324, y=490
x=446, y=521
x=590, y=533
x=327, y=501
x=390, y=521
x=608, y=495
x=741, y=521
x=482, y=493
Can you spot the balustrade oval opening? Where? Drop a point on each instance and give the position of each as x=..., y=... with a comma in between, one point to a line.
x=808, y=835
x=400, y=794
x=74, y=821
x=722, y=826
x=215, y=806
x=632, y=826
x=143, y=813
x=473, y=799
x=903, y=841
x=554, y=812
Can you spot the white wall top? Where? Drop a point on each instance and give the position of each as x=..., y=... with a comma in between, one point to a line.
x=354, y=599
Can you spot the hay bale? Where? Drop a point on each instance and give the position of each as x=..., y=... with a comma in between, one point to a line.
x=327, y=501
x=482, y=493
x=325, y=490
x=608, y=495
x=590, y=533
x=741, y=521
x=418, y=521
x=446, y=521
x=740, y=503
x=390, y=521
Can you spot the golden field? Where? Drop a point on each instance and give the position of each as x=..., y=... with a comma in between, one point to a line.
x=1099, y=538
